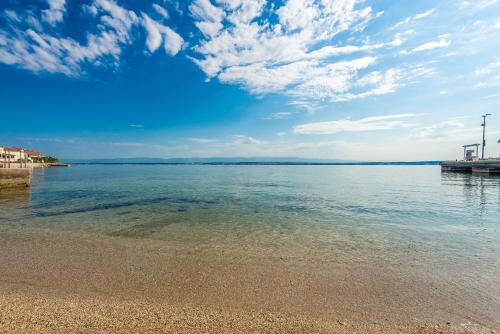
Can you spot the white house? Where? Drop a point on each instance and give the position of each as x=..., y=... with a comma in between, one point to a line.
x=10, y=155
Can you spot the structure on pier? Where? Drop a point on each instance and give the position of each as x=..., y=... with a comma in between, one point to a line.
x=471, y=162
x=471, y=155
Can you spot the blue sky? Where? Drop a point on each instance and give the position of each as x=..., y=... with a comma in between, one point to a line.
x=335, y=79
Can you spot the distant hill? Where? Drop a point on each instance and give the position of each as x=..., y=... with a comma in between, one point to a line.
x=242, y=161
x=195, y=160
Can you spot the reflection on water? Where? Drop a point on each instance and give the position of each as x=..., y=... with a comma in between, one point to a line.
x=479, y=190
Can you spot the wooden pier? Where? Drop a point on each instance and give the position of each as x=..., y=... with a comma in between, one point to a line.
x=489, y=166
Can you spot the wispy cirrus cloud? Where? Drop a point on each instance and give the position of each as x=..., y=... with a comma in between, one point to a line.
x=374, y=123
x=438, y=130
x=233, y=141
x=489, y=75
x=490, y=68
x=246, y=140
x=480, y=4
x=442, y=42
x=412, y=19
x=452, y=130
x=127, y=144
x=203, y=140
x=279, y=115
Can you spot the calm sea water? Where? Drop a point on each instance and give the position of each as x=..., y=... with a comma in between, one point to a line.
x=413, y=213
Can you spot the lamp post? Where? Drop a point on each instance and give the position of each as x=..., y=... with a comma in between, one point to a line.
x=484, y=133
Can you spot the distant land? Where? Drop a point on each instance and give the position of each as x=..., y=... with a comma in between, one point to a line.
x=243, y=161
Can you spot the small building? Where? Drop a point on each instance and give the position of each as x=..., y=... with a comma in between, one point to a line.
x=471, y=152
x=18, y=155
x=12, y=154
x=33, y=154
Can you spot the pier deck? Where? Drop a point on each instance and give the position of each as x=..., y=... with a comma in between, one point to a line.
x=490, y=166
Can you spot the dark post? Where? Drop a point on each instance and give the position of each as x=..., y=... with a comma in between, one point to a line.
x=484, y=133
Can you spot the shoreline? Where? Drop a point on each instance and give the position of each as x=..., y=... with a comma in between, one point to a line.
x=154, y=286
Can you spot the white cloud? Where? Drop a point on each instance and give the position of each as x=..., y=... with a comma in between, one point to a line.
x=279, y=115
x=205, y=11
x=489, y=69
x=441, y=43
x=127, y=144
x=209, y=16
x=246, y=140
x=437, y=130
x=281, y=134
x=383, y=122
x=161, y=11
x=235, y=141
x=12, y=15
x=173, y=41
x=489, y=74
x=424, y=14
x=40, y=50
x=309, y=106
x=414, y=18
x=491, y=96
x=482, y=4
x=293, y=55
x=56, y=11
x=452, y=133
x=420, y=70
x=176, y=5
x=203, y=140
x=157, y=33
x=154, y=38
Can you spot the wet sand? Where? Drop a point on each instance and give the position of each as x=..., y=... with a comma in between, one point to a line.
x=55, y=281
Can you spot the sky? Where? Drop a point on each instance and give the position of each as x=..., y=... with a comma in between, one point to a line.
x=332, y=79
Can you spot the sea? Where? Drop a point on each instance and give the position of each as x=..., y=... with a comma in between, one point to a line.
x=414, y=216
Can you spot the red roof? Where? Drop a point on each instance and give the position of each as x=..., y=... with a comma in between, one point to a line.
x=19, y=149
x=12, y=149
x=33, y=153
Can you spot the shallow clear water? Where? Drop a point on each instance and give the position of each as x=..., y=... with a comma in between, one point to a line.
x=306, y=211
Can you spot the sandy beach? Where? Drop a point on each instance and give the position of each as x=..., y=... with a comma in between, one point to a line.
x=39, y=314
x=85, y=283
